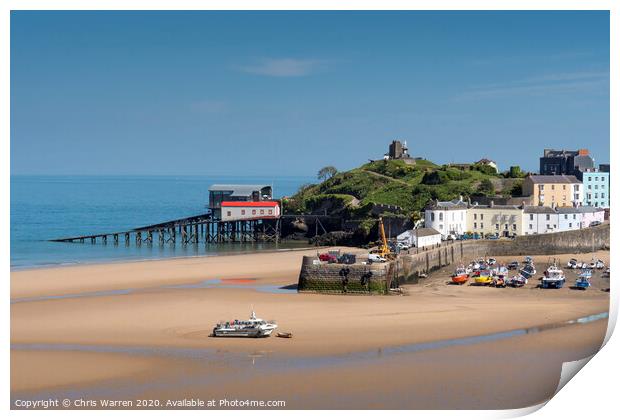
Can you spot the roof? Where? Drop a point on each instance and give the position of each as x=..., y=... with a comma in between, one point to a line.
x=496, y=206
x=420, y=232
x=447, y=205
x=238, y=190
x=539, y=209
x=250, y=204
x=580, y=209
x=554, y=179
x=485, y=160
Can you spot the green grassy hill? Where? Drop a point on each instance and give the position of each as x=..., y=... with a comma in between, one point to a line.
x=354, y=193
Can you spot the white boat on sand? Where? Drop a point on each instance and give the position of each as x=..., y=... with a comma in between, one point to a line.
x=253, y=327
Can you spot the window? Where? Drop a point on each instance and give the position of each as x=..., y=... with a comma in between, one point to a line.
x=602, y=195
x=548, y=217
x=602, y=178
x=514, y=226
x=565, y=216
x=596, y=187
x=432, y=217
x=262, y=211
x=475, y=216
x=596, y=178
x=595, y=195
x=497, y=226
x=574, y=216
x=589, y=178
x=531, y=217
x=506, y=226
x=570, y=225
x=270, y=211
x=481, y=216
x=564, y=187
x=531, y=227
x=481, y=225
x=475, y=225
x=440, y=217
x=242, y=211
x=440, y=227
x=548, y=226
x=228, y=213
x=553, y=187
x=253, y=211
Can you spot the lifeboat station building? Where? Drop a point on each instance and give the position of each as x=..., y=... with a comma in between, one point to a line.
x=219, y=193
x=249, y=210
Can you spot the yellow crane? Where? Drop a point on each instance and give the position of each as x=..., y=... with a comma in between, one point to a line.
x=384, y=249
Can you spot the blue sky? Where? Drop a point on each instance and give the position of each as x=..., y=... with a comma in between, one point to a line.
x=267, y=93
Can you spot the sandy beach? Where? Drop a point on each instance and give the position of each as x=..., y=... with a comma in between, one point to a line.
x=139, y=323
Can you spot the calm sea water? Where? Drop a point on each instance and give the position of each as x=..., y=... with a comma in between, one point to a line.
x=47, y=207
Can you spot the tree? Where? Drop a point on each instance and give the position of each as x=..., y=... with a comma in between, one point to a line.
x=486, y=187
x=515, y=172
x=326, y=173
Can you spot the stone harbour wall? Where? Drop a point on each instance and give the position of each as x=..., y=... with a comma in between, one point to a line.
x=407, y=268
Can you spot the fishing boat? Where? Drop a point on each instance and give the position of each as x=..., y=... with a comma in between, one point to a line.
x=517, y=281
x=253, y=327
x=483, y=277
x=583, y=280
x=599, y=264
x=554, y=278
x=460, y=275
x=491, y=261
x=528, y=270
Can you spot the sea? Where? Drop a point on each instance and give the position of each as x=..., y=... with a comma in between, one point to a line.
x=48, y=207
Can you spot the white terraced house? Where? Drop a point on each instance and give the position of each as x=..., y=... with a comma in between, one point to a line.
x=447, y=217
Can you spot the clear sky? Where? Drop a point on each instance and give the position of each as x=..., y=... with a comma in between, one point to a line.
x=267, y=93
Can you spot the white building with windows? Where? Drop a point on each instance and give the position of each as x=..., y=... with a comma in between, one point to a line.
x=249, y=210
x=420, y=237
x=447, y=217
x=540, y=219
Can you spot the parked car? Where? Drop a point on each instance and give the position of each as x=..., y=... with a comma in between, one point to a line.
x=403, y=246
x=595, y=223
x=347, y=259
x=376, y=258
x=328, y=258
x=450, y=237
x=492, y=236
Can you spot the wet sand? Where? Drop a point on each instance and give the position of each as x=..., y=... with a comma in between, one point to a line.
x=143, y=341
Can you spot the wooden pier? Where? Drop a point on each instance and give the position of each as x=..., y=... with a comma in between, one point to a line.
x=191, y=230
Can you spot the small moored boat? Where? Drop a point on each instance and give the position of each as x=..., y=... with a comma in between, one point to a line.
x=483, y=277
x=583, y=281
x=460, y=275
x=528, y=270
x=517, y=281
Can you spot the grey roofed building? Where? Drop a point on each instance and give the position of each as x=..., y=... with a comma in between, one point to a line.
x=238, y=190
x=539, y=209
x=421, y=232
x=233, y=192
x=554, y=179
x=580, y=209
